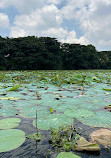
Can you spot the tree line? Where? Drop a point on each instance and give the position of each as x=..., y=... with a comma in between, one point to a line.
x=46, y=53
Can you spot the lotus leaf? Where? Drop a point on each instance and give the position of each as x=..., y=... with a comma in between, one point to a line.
x=11, y=139
x=79, y=113
x=50, y=102
x=106, y=89
x=14, y=88
x=67, y=155
x=9, y=123
x=102, y=136
x=21, y=104
x=53, y=121
x=100, y=119
x=89, y=106
x=9, y=98
x=64, y=106
x=8, y=112
x=32, y=114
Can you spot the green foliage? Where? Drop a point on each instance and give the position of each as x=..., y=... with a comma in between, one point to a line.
x=14, y=88
x=51, y=110
x=11, y=139
x=67, y=155
x=8, y=112
x=64, y=138
x=35, y=136
x=45, y=53
x=53, y=121
x=81, y=95
x=9, y=123
x=79, y=113
x=106, y=89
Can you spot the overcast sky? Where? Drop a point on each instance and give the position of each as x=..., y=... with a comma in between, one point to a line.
x=72, y=21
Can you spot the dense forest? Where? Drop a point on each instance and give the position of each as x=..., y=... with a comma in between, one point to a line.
x=45, y=53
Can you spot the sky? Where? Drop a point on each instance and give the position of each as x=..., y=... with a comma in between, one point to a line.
x=70, y=21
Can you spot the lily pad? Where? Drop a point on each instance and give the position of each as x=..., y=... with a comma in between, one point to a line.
x=100, y=119
x=9, y=98
x=106, y=89
x=53, y=121
x=79, y=113
x=11, y=139
x=67, y=155
x=8, y=112
x=32, y=114
x=9, y=123
x=14, y=88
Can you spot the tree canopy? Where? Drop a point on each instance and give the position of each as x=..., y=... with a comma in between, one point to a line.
x=46, y=53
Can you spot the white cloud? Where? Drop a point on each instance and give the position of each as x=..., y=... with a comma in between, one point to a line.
x=72, y=38
x=54, y=1
x=18, y=32
x=98, y=23
x=26, y=6
x=4, y=20
x=94, y=19
x=37, y=21
x=23, y=6
x=59, y=33
x=43, y=18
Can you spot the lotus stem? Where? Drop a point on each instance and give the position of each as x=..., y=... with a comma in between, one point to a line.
x=36, y=123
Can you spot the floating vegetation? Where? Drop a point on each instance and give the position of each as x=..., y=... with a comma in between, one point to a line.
x=6, y=112
x=11, y=139
x=35, y=136
x=100, y=119
x=58, y=97
x=14, y=88
x=53, y=121
x=64, y=138
x=79, y=113
x=9, y=98
x=106, y=89
x=67, y=155
x=9, y=123
x=69, y=139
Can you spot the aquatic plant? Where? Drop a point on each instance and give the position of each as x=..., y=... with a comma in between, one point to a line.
x=35, y=136
x=11, y=139
x=64, y=138
x=54, y=121
x=8, y=112
x=9, y=123
x=67, y=155
x=15, y=87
